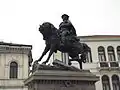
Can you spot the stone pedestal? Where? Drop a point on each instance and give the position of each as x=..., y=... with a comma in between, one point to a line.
x=61, y=80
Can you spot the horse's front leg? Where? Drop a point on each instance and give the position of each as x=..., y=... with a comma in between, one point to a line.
x=83, y=57
x=52, y=49
x=69, y=62
x=47, y=48
x=80, y=64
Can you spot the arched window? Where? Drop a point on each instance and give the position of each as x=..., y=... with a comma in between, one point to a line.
x=105, y=82
x=115, y=82
x=101, y=54
x=111, y=54
x=89, y=57
x=118, y=52
x=13, y=70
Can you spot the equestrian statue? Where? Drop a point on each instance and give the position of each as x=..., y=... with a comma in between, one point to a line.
x=63, y=39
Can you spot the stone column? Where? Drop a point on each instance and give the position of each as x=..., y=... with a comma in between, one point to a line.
x=110, y=80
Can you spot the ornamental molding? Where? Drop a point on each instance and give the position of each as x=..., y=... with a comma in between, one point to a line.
x=14, y=49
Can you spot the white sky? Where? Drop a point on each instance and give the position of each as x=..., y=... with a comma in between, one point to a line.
x=20, y=19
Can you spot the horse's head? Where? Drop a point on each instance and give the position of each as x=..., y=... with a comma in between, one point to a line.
x=46, y=29
x=41, y=29
x=86, y=47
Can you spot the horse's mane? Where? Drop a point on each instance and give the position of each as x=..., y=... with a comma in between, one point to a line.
x=51, y=29
x=48, y=23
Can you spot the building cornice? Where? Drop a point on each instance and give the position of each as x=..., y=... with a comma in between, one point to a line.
x=13, y=87
x=100, y=36
x=14, y=44
x=96, y=38
x=14, y=48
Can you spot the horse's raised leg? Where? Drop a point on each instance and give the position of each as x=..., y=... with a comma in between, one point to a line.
x=80, y=63
x=52, y=49
x=47, y=48
x=83, y=57
x=69, y=62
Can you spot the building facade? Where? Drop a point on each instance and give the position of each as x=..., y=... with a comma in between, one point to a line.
x=15, y=60
x=103, y=60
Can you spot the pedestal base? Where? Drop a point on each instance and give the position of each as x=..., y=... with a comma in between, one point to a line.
x=61, y=80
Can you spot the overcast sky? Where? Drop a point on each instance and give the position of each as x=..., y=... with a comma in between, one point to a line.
x=20, y=19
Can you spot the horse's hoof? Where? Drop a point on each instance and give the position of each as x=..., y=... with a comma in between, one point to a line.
x=69, y=63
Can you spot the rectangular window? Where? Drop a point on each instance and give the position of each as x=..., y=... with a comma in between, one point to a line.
x=89, y=58
x=115, y=86
x=118, y=55
x=106, y=87
x=101, y=57
x=114, y=64
x=111, y=57
x=103, y=64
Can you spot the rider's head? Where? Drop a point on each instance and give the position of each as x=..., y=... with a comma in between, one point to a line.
x=65, y=17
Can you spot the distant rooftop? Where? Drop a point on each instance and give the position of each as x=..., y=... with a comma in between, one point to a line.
x=100, y=38
x=94, y=36
x=14, y=44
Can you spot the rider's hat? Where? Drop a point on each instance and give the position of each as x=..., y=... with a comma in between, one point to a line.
x=65, y=15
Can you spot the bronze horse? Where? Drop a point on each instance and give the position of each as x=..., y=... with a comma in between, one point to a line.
x=52, y=37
